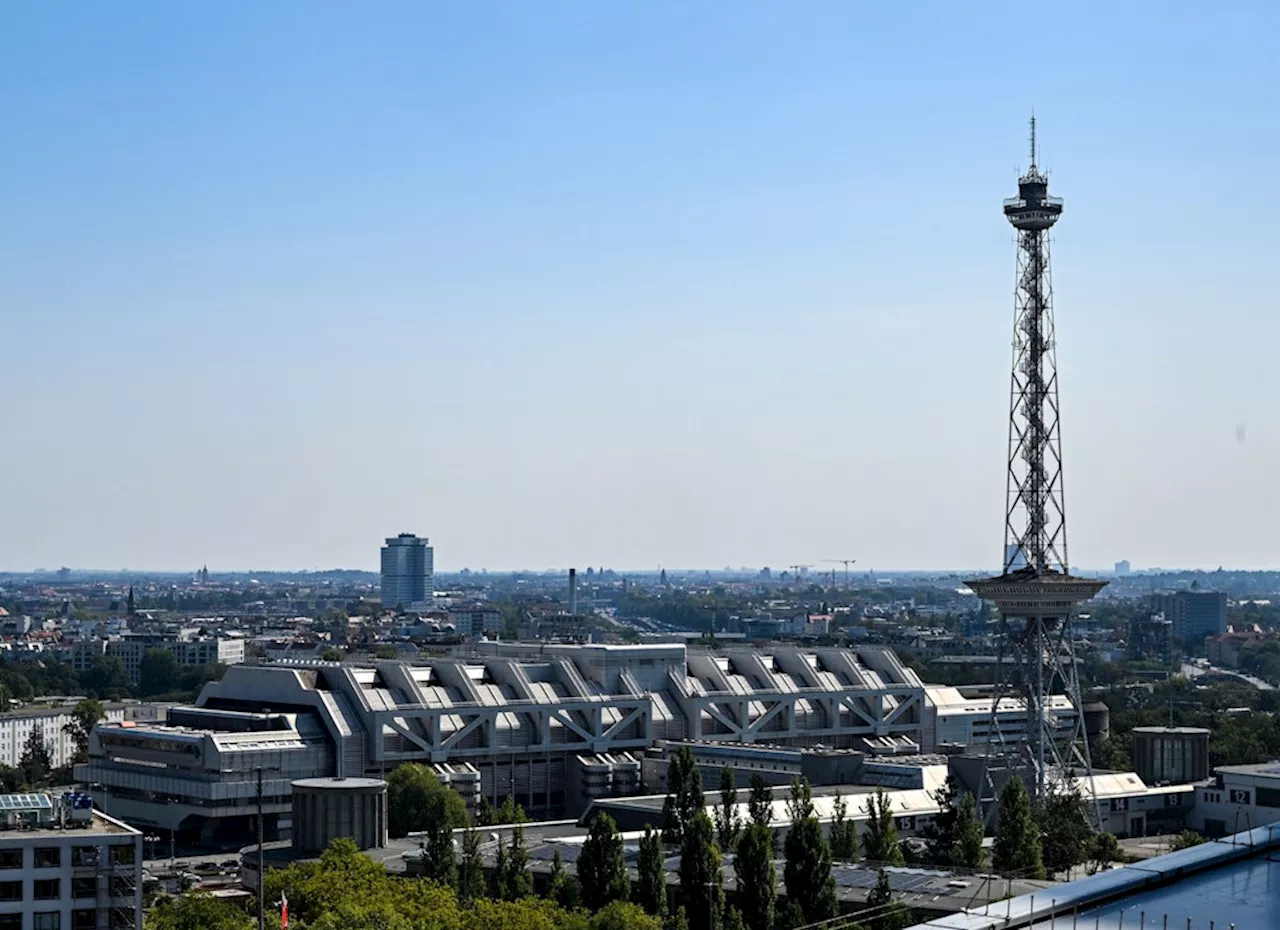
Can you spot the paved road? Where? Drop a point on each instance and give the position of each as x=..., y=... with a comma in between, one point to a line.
x=1195, y=671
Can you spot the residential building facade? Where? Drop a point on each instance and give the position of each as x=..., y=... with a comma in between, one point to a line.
x=67, y=866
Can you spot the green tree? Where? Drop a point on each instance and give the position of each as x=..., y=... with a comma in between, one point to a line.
x=385, y=651
x=1185, y=840
x=651, y=885
x=966, y=850
x=940, y=833
x=196, y=911
x=486, y=816
x=557, y=879
x=1064, y=831
x=678, y=920
x=1017, y=843
x=108, y=678
x=1104, y=849
x=331, y=654
x=1112, y=754
x=807, y=873
x=620, y=915
x=440, y=862
x=880, y=836
x=84, y=717
x=700, y=871
x=509, y=811
x=35, y=764
x=732, y=919
x=684, y=795
x=417, y=802
x=471, y=873
x=499, y=873
x=346, y=890
x=728, y=824
x=844, y=832
x=757, y=878
x=760, y=803
x=157, y=673
x=791, y=915
x=602, y=865
x=887, y=914
x=516, y=881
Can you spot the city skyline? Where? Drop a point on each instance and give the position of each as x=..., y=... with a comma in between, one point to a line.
x=681, y=287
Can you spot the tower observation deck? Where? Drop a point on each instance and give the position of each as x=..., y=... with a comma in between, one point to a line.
x=1035, y=591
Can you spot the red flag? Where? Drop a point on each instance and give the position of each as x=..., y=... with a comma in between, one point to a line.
x=284, y=912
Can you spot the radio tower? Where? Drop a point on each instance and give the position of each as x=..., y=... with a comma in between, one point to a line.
x=1036, y=592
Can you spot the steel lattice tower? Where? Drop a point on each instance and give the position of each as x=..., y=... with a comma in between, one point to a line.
x=1035, y=591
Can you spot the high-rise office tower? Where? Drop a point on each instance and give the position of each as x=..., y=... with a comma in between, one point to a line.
x=408, y=572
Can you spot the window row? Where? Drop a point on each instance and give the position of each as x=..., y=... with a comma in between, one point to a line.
x=50, y=857
x=83, y=919
x=43, y=889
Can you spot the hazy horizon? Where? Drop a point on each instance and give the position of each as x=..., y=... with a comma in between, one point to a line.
x=627, y=284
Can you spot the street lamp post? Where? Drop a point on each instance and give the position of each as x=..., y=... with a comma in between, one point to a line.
x=262, y=914
x=173, y=834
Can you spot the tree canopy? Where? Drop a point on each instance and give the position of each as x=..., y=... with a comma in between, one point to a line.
x=346, y=890
x=417, y=802
x=700, y=874
x=684, y=795
x=880, y=835
x=967, y=851
x=728, y=825
x=807, y=872
x=35, y=764
x=760, y=803
x=602, y=865
x=843, y=833
x=651, y=884
x=757, y=879
x=1065, y=834
x=940, y=833
x=1017, y=843
x=84, y=717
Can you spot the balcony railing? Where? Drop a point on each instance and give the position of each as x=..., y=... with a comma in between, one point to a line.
x=1044, y=202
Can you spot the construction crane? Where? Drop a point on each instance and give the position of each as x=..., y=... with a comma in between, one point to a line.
x=846, y=563
x=797, y=569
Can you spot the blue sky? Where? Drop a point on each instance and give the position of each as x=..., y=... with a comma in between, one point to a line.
x=626, y=284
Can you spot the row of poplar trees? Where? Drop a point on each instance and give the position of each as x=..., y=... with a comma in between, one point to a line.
x=1028, y=843
x=700, y=840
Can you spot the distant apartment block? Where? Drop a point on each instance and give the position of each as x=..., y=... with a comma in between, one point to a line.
x=16, y=727
x=1194, y=614
x=188, y=647
x=1123, y=567
x=408, y=572
x=476, y=621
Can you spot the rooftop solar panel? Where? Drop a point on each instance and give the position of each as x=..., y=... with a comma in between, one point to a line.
x=25, y=802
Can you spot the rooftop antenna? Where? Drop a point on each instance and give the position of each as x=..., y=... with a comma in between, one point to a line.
x=1033, y=141
x=1034, y=151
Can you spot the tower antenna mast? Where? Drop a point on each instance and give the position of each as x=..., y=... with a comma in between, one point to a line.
x=1035, y=590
